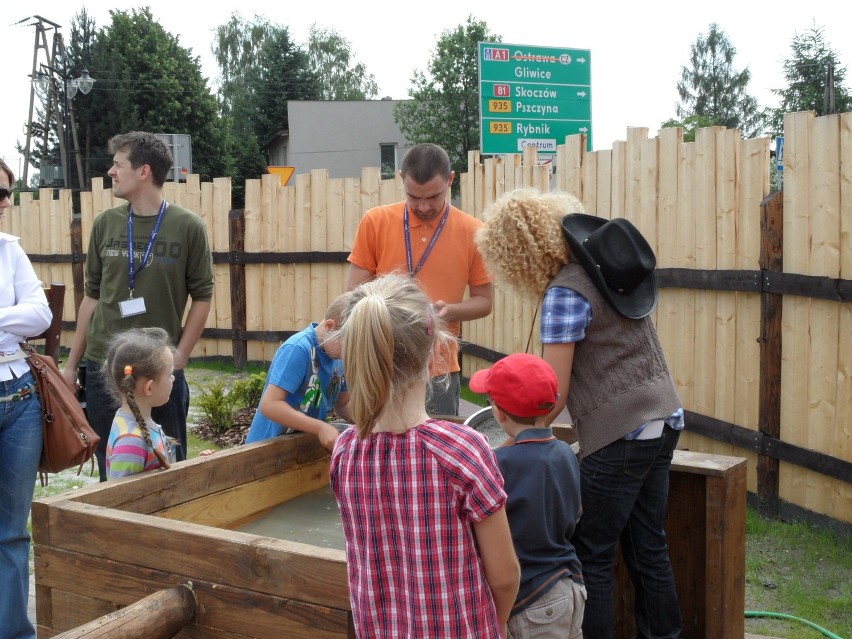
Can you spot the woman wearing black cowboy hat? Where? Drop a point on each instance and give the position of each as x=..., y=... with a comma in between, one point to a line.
x=595, y=280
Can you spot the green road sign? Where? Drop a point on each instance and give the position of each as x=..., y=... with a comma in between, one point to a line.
x=532, y=96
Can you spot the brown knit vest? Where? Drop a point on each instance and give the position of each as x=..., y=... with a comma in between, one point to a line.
x=619, y=376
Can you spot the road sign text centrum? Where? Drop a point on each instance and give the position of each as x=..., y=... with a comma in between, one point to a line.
x=532, y=95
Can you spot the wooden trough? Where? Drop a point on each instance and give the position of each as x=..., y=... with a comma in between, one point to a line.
x=106, y=546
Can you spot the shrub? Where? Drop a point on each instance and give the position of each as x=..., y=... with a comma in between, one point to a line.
x=218, y=406
x=248, y=391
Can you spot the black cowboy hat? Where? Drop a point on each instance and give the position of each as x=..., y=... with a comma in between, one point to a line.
x=618, y=260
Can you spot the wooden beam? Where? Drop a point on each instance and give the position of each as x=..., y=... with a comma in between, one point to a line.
x=236, y=244
x=158, y=616
x=771, y=304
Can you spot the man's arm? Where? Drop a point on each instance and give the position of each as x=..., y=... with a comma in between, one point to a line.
x=78, y=346
x=477, y=305
x=561, y=358
x=357, y=276
x=195, y=321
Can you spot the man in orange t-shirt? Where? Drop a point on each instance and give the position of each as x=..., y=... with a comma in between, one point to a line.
x=433, y=241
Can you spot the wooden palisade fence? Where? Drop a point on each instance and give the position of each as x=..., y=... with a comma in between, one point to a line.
x=754, y=313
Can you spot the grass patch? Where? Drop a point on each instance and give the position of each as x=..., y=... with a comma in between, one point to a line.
x=474, y=398
x=800, y=570
x=196, y=445
x=223, y=366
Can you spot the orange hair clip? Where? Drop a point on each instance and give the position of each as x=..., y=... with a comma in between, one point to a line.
x=128, y=370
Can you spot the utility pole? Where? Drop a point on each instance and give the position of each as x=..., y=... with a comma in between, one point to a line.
x=40, y=45
x=59, y=88
x=828, y=104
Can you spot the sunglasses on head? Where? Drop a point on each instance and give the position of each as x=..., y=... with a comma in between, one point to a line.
x=4, y=193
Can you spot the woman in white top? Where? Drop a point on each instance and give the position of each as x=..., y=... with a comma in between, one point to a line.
x=23, y=313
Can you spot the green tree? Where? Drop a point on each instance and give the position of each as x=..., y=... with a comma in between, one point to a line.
x=145, y=81
x=814, y=79
x=83, y=36
x=712, y=88
x=283, y=74
x=444, y=106
x=261, y=69
x=690, y=124
x=236, y=46
x=332, y=60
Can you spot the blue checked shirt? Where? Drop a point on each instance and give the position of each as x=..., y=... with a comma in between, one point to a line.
x=565, y=316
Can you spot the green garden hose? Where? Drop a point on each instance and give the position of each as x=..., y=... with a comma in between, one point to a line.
x=781, y=615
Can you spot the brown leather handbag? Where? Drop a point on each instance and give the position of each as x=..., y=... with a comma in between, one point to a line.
x=68, y=439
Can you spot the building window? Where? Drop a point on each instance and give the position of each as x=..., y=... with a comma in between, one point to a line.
x=388, y=160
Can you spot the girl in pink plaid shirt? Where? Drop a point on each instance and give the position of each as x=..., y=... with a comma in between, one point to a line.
x=428, y=545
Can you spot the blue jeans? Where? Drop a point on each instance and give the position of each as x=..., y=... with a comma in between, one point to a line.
x=443, y=396
x=101, y=407
x=20, y=450
x=625, y=489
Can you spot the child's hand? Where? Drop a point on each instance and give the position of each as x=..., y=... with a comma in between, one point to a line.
x=328, y=434
x=206, y=453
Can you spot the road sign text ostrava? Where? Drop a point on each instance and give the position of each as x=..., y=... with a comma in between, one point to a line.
x=532, y=96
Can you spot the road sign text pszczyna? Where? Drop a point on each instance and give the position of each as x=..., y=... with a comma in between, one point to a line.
x=532, y=96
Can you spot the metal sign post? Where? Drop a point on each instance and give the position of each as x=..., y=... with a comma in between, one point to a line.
x=779, y=160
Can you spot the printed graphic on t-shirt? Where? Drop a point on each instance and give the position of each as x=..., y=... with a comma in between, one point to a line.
x=164, y=251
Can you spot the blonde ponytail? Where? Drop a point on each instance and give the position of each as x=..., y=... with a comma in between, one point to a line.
x=388, y=339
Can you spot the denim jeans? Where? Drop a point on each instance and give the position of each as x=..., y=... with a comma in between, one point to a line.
x=20, y=450
x=625, y=488
x=443, y=396
x=101, y=407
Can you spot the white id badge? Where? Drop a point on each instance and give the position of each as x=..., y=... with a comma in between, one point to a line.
x=133, y=306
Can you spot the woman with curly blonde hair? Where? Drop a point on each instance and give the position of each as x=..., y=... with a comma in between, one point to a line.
x=595, y=280
x=522, y=241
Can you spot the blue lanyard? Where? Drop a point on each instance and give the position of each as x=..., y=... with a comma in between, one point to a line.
x=407, y=228
x=131, y=273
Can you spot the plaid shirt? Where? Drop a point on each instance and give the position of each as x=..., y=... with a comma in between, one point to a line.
x=565, y=316
x=408, y=501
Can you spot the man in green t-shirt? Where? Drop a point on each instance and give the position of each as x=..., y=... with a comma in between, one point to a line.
x=145, y=260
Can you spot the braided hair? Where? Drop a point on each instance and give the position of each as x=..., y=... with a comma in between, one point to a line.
x=133, y=355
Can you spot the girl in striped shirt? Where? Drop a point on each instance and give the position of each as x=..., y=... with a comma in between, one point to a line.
x=139, y=368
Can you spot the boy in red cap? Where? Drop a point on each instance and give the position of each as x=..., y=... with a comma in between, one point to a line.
x=542, y=480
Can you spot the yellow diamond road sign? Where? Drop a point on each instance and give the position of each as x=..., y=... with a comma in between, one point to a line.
x=283, y=172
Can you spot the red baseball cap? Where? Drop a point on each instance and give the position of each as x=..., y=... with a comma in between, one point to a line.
x=521, y=384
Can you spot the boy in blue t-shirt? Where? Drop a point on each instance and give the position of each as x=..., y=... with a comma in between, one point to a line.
x=305, y=381
x=542, y=480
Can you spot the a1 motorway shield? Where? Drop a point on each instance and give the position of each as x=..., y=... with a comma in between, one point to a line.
x=532, y=96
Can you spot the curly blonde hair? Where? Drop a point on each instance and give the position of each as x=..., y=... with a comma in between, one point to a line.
x=522, y=241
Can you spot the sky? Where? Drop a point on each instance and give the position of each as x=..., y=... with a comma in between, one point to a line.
x=637, y=49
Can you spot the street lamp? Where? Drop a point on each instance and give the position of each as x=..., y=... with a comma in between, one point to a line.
x=45, y=81
x=84, y=83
